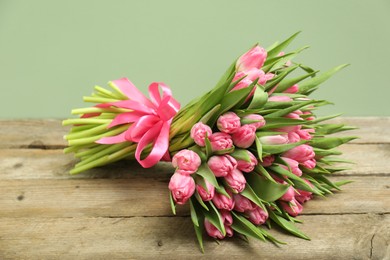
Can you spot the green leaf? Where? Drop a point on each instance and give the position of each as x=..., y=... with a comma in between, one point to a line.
x=209, y=149
x=320, y=119
x=251, y=195
x=285, y=84
x=290, y=109
x=280, y=148
x=245, y=227
x=259, y=99
x=259, y=149
x=265, y=189
x=280, y=47
x=214, y=217
x=341, y=183
x=276, y=80
x=194, y=217
x=323, y=153
x=199, y=235
x=306, y=86
x=227, y=76
x=173, y=207
x=198, y=224
x=206, y=173
x=330, y=142
x=323, y=179
x=286, y=225
x=241, y=154
x=268, y=133
x=205, y=119
x=199, y=199
x=261, y=170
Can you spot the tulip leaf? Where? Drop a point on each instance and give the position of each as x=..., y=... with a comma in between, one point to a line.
x=290, y=109
x=209, y=149
x=206, y=173
x=274, y=52
x=276, y=80
x=267, y=133
x=323, y=179
x=173, y=206
x=259, y=149
x=287, y=225
x=227, y=76
x=206, y=118
x=320, y=119
x=198, y=223
x=307, y=85
x=241, y=154
x=287, y=83
x=280, y=148
x=251, y=195
x=214, y=217
x=322, y=152
x=245, y=227
x=265, y=189
x=330, y=142
x=261, y=170
x=194, y=217
x=199, y=235
x=201, y=202
x=259, y=99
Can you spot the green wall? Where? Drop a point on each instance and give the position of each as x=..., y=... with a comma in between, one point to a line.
x=54, y=52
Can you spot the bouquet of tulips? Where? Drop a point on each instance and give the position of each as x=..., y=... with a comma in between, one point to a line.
x=248, y=154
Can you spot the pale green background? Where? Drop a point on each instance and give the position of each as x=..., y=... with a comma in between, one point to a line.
x=54, y=52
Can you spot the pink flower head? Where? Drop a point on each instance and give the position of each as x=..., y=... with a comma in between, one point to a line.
x=241, y=203
x=279, y=99
x=199, y=132
x=294, y=166
x=257, y=215
x=211, y=230
x=263, y=79
x=223, y=202
x=289, y=195
x=247, y=166
x=302, y=195
x=293, y=208
x=186, y=161
x=220, y=141
x=236, y=180
x=259, y=121
x=300, y=153
x=293, y=137
x=268, y=160
x=254, y=58
x=274, y=139
x=226, y=216
x=292, y=90
x=310, y=164
x=244, y=136
x=208, y=194
x=182, y=187
x=221, y=165
x=305, y=134
x=228, y=122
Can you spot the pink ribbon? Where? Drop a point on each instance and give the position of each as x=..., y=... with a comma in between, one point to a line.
x=151, y=120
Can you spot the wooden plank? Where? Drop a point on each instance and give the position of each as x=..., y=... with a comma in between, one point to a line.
x=361, y=236
x=146, y=197
x=46, y=133
x=53, y=164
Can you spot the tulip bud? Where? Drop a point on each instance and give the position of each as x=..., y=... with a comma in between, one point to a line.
x=199, y=132
x=268, y=160
x=221, y=165
x=226, y=216
x=186, y=161
x=182, y=187
x=293, y=208
x=247, y=166
x=289, y=195
x=241, y=203
x=257, y=216
x=254, y=58
x=259, y=121
x=228, y=122
x=302, y=195
x=274, y=139
x=279, y=99
x=220, y=141
x=208, y=194
x=292, y=90
x=310, y=164
x=211, y=230
x=236, y=180
x=244, y=136
x=293, y=165
x=300, y=153
x=223, y=202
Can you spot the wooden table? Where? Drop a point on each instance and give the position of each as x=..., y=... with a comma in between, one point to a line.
x=123, y=211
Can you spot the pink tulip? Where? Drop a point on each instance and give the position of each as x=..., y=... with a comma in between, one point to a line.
x=182, y=187
x=274, y=139
x=265, y=78
x=229, y=231
x=293, y=208
x=254, y=58
x=292, y=90
x=288, y=63
x=312, y=117
x=259, y=120
x=226, y=216
x=247, y=166
x=199, y=132
x=293, y=165
x=289, y=195
x=305, y=134
x=300, y=153
x=244, y=136
x=236, y=180
x=223, y=202
x=279, y=99
x=221, y=165
x=302, y=195
x=186, y=161
x=228, y=122
x=293, y=137
x=257, y=216
x=220, y=141
x=310, y=164
x=268, y=160
x=211, y=230
x=241, y=203
x=208, y=194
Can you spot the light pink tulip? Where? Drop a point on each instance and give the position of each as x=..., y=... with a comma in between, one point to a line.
x=220, y=141
x=244, y=136
x=274, y=139
x=236, y=180
x=260, y=121
x=228, y=122
x=289, y=195
x=293, y=137
x=293, y=208
x=247, y=166
x=257, y=216
x=208, y=194
x=221, y=165
x=254, y=58
x=310, y=164
x=211, y=230
x=294, y=166
x=300, y=153
x=292, y=90
x=182, y=187
x=279, y=99
x=265, y=78
x=268, y=160
x=223, y=202
x=241, y=203
x=305, y=134
x=186, y=161
x=199, y=132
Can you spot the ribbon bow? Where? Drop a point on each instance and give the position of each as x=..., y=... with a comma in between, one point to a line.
x=151, y=120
